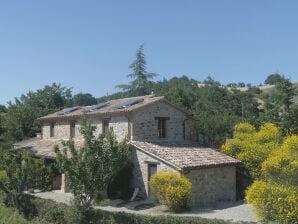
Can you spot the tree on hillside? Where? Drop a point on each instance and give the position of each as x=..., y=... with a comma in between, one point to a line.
x=140, y=76
x=20, y=120
x=2, y=127
x=279, y=103
x=92, y=168
x=84, y=99
x=285, y=94
x=289, y=121
x=210, y=81
x=273, y=79
x=3, y=109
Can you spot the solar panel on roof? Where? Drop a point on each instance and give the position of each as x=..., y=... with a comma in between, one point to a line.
x=129, y=103
x=94, y=107
x=67, y=110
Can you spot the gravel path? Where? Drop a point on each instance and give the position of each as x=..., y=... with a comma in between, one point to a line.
x=233, y=211
x=55, y=196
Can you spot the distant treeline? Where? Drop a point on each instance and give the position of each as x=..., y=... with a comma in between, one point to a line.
x=216, y=109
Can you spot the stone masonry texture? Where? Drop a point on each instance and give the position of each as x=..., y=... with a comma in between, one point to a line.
x=145, y=125
x=119, y=124
x=210, y=185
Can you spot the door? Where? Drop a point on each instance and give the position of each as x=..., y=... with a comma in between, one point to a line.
x=152, y=169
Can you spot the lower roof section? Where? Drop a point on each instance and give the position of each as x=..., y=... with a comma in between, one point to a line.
x=43, y=148
x=184, y=155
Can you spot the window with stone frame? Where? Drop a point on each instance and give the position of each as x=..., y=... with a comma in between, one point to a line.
x=161, y=126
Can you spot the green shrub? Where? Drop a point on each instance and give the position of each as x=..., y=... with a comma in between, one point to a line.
x=103, y=202
x=11, y=216
x=96, y=216
x=2, y=173
x=171, y=189
x=50, y=211
x=125, y=218
x=120, y=186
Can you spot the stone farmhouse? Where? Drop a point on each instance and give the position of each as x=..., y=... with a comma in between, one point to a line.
x=160, y=134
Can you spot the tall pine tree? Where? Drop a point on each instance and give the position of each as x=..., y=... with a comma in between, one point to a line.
x=141, y=78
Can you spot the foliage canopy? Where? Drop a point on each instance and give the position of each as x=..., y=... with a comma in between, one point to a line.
x=91, y=168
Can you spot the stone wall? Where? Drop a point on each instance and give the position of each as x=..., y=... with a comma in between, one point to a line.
x=45, y=130
x=140, y=162
x=209, y=185
x=62, y=128
x=120, y=126
x=145, y=126
x=212, y=184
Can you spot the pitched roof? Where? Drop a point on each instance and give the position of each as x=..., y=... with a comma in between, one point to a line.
x=109, y=107
x=180, y=155
x=43, y=148
x=184, y=155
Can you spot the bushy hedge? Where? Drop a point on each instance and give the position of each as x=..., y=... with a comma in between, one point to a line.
x=2, y=173
x=48, y=211
x=274, y=202
x=171, y=189
x=53, y=212
x=11, y=216
x=275, y=196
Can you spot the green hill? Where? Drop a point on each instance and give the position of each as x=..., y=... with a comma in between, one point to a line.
x=269, y=89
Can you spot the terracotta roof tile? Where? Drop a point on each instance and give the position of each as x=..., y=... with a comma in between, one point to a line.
x=181, y=155
x=42, y=147
x=186, y=155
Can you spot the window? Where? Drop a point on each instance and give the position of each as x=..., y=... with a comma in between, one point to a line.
x=105, y=126
x=52, y=130
x=72, y=129
x=161, y=126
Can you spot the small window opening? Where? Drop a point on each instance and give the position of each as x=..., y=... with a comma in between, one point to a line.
x=161, y=128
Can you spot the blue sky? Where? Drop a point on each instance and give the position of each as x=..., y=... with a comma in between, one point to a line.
x=88, y=45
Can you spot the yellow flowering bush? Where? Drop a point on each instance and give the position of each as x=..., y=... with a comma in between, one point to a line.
x=275, y=197
x=252, y=147
x=274, y=202
x=171, y=189
x=243, y=131
x=268, y=133
x=282, y=163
